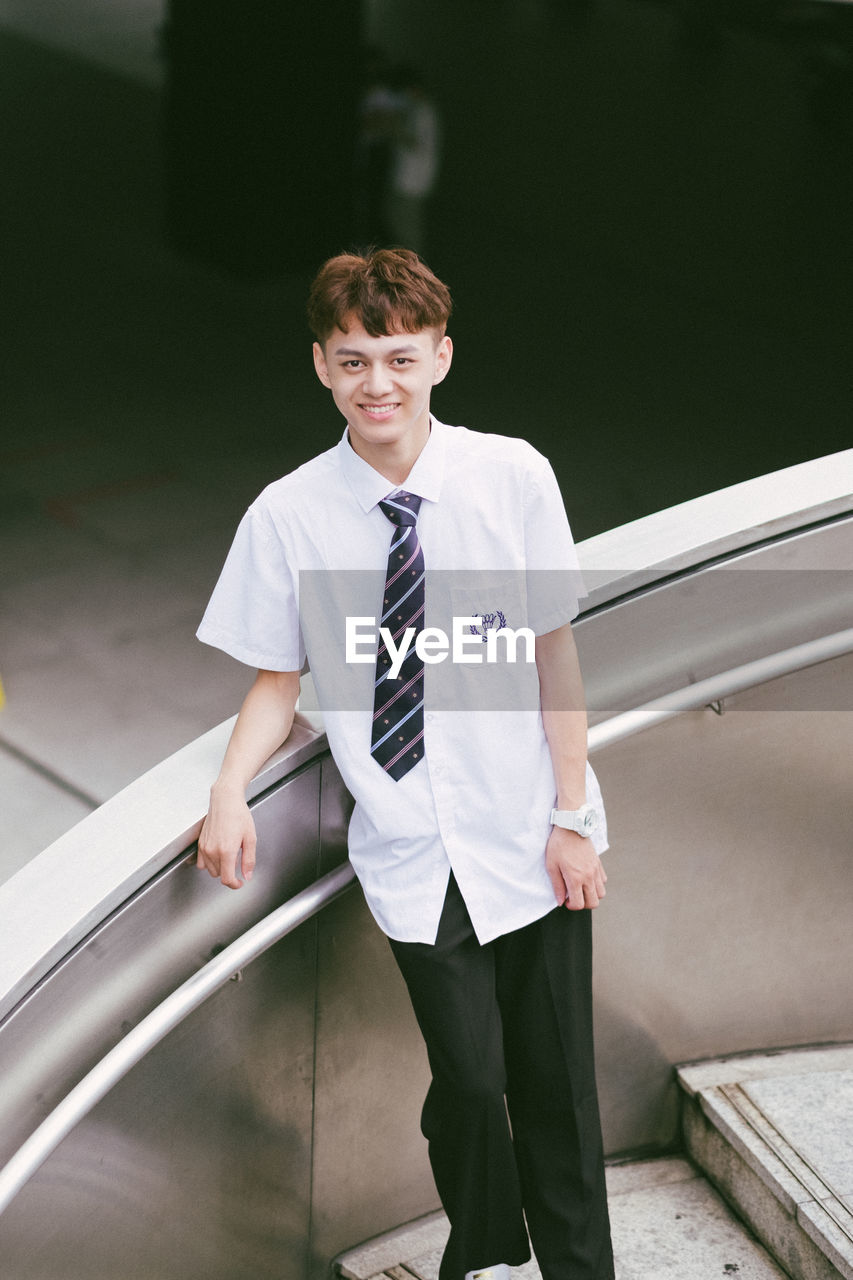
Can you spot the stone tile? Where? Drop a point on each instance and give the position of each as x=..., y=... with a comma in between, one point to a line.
x=100, y=728
x=743, y=1139
x=104, y=676
x=789, y=1117
x=768, y=1215
x=694, y=1077
x=832, y=1237
x=815, y=1113
x=390, y=1249
x=93, y=612
x=427, y=1264
x=684, y=1232
x=622, y=1179
x=667, y=1222
x=34, y=813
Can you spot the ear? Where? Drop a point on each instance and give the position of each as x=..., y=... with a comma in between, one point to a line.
x=443, y=359
x=320, y=365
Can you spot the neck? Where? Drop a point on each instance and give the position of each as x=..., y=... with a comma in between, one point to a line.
x=395, y=460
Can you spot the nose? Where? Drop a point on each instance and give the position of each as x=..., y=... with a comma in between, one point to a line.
x=377, y=380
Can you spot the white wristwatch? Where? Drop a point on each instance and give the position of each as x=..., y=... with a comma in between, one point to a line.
x=583, y=820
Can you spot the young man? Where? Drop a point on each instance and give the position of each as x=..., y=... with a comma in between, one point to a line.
x=478, y=822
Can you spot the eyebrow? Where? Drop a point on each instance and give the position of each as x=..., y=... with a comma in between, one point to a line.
x=397, y=351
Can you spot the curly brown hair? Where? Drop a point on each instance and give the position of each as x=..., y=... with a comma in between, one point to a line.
x=385, y=290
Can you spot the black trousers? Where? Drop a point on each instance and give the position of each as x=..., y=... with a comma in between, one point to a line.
x=508, y=1027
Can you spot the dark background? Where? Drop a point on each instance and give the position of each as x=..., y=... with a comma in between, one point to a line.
x=643, y=214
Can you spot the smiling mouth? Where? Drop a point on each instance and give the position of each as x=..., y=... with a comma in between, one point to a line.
x=379, y=410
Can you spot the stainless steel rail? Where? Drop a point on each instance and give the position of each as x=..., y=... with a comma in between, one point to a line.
x=716, y=688
x=152, y=1029
x=192, y=993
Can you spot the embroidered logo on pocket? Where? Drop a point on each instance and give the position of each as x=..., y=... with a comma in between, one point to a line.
x=490, y=622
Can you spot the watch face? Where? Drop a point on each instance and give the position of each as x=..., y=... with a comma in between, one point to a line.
x=590, y=821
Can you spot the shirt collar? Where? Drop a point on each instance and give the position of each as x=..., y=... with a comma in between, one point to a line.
x=424, y=479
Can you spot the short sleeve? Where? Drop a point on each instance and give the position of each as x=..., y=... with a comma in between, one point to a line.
x=253, y=614
x=554, y=581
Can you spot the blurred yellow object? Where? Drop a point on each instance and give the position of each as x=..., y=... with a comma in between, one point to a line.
x=2, y=694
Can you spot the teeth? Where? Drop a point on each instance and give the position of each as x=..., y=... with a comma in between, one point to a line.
x=379, y=409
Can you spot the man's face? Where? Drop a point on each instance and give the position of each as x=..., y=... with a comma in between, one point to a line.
x=382, y=386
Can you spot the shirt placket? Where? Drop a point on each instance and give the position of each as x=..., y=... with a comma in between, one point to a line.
x=445, y=792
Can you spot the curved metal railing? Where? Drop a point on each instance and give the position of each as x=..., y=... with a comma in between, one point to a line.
x=298, y=910
x=715, y=688
x=77, y=1104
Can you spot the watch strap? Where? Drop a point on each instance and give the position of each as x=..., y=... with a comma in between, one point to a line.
x=583, y=820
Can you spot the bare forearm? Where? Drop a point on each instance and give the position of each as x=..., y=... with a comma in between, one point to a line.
x=228, y=832
x=572, y=864
x=264, y=722
x=563, y=714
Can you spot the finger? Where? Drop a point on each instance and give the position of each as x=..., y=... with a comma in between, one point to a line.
x=591, y=896
x=207, y=862
x=228, y=871
x=582, y=897
x=574, y=895
x=248, y=861
x=558, y=884
x=200, y=856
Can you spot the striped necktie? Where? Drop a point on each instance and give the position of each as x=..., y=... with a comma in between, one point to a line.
x=396, y=741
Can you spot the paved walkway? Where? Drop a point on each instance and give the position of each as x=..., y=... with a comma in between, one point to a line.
x=667, y=1223
x=775, y=1132
x=772, y=1132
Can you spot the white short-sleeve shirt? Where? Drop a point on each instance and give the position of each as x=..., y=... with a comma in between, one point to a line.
x=310, y=552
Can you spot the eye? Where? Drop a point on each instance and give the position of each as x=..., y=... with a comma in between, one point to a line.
x=352, y=364
x=402, y=360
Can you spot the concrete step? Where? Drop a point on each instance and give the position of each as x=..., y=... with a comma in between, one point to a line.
x=668, y=1224
x=774, y=1133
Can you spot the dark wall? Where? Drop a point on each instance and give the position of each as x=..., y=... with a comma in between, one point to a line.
x=258, y=127
x=643, y=211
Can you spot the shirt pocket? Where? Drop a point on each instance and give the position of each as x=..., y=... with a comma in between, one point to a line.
x=493, y=667
x=493, y=603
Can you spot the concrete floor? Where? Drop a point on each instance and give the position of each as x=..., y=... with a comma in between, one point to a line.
x=666, y=1222
x=650, y=257
x=774, y=1138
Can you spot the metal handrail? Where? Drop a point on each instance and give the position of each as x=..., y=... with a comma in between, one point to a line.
x=77, y=1104
x=171, y=1012
x=715, y=688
